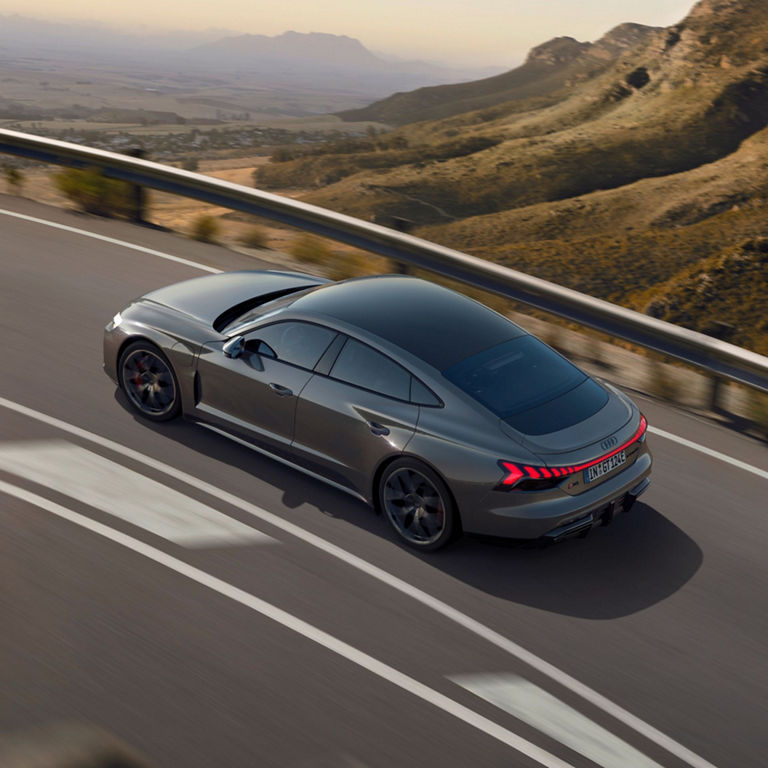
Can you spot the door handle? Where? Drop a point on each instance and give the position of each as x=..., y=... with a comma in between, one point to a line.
x=378, y=429
x=280, y=390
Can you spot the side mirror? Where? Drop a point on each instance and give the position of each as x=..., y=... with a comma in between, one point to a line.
x=234, y=347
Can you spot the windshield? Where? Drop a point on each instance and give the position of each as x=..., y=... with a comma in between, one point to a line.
x=519, y=379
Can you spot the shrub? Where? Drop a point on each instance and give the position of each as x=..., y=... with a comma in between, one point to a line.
x=94, y=193
x=190, y=164
x=355, y=264
x=205, y=229
x=14, y=179
x=283, y=155
x=758, y=411
x=312, y=249
x=253, y=237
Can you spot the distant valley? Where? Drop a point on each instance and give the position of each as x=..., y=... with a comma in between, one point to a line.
x=67, y=69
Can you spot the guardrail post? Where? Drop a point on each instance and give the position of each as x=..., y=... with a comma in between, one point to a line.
x=723, y=331
x=401, y=225
x=138, y=194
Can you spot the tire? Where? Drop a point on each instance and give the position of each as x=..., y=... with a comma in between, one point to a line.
x=149, y=381
x=418, y=505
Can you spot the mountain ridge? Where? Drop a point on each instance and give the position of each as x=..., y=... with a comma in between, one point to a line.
x=313, y=46
x=548, y=69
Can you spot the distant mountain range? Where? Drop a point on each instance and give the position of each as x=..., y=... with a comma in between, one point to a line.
x=294, y=59
x=330, y=50
x=320, y=54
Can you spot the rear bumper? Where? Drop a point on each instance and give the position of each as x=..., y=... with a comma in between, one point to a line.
x=556, y=516
x=601, y=516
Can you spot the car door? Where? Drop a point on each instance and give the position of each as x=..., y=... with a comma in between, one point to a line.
x=255, y=393
x=353, y=416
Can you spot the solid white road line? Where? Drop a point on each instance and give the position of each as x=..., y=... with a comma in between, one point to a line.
x=433, y=603
x=533, y=705
x=710, y=452
x=110, y=240
x=331, y=643
x=119, y=491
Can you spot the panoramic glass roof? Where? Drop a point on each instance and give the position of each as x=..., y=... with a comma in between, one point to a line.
x=436, y=324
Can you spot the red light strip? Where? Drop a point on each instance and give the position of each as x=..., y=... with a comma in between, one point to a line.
x=534, y=473
x=638, y=434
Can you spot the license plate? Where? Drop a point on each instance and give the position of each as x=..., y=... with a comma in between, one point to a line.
x=604, y=467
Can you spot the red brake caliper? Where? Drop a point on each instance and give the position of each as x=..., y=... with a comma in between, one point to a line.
x=137, y=378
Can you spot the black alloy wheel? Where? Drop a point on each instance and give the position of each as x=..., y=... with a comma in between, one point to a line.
x=418, y=504
x=148, y=379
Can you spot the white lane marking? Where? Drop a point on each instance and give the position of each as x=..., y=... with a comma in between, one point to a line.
x=331, y=643
x=533, y=705
x=353, y=561
x=110, y=240
x=710, y=452
x=126, y=494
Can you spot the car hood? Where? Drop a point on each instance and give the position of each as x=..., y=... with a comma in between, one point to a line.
x=205, y=298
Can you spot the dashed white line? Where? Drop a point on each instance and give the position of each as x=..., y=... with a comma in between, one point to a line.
x=533, y=705
x=452, y=614
x=119, y=491
x=110, y=240
x=331, y=643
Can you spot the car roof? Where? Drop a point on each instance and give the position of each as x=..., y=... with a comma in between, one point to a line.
x=436, y=324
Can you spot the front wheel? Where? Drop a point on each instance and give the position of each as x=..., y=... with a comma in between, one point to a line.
x=418, y=504
x=147, y=378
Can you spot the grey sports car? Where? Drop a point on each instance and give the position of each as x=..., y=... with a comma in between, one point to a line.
x=441, y=413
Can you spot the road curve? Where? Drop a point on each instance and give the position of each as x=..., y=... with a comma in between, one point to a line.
x=660, y=616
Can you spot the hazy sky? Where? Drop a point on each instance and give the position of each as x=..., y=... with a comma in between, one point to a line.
x=464, y=31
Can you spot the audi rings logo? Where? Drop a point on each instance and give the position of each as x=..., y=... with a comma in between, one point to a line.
x=609, y=443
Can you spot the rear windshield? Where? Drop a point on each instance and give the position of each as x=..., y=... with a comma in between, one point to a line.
x=517, y=379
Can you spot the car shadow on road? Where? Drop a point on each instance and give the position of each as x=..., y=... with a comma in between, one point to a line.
x=637, y=561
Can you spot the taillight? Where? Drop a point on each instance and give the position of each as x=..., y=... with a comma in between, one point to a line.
x=534, y=478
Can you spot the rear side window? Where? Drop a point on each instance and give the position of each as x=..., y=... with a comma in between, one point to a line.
x=300, y=344
x=364, y=367
x=423, y=396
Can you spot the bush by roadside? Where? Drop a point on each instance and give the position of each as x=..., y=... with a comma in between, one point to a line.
x=93, y=192
x=205, y=229
x=253, y=237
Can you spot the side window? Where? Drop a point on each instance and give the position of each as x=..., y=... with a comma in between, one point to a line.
x=421, y=395
x=362, y=366
x=297, y=343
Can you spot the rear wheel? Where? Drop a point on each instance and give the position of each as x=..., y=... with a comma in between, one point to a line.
x=147, y=378
x=418, y=504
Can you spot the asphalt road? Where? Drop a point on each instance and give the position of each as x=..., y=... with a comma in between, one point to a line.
x=305, y=635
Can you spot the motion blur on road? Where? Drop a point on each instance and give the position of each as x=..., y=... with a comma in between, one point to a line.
x=173, y=597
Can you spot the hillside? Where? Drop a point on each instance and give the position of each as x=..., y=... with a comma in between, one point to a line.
x=729, y=287
x=622, y=184
x=548, y=70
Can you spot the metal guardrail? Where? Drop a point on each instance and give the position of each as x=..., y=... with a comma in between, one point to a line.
x=715, y=356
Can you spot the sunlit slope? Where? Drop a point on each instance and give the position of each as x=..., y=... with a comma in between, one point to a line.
x=549, y=70
x=686, y=98
x=625, y=239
